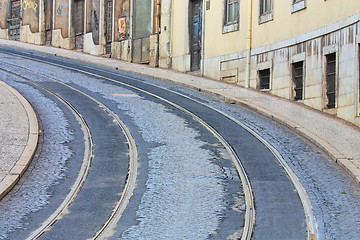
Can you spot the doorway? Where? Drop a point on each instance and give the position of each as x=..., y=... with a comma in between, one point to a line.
x=48, y=21
x=195, y=34
x=109, y=25
x=79, y=20
x=15, y=20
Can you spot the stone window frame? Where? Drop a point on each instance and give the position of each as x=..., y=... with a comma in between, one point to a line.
x=265, y=16
x=357, y=102
x=298, y=5
x=334, y=48
x=301, y=57
x=264, y=66
x=234, y=25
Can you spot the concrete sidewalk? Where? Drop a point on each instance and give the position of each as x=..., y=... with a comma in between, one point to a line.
x=340, y=139
x=18, y=137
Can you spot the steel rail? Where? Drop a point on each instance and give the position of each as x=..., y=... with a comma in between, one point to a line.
x=133, y=163
x=312, y=229
x=84, y=169
x=249, y=198
x=311, y=222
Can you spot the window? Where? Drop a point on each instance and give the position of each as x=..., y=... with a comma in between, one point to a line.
x=331, y=80
x=264, y=77
x=265, y=7
x=298, y=79
x=231, y=16
x=265, y=11
x=232, y=11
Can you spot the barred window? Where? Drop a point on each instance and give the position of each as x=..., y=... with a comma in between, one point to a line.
x=298, y=79
x=264, y=77
x=331, y=80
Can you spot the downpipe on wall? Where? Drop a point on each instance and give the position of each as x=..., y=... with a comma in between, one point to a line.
x=248, y=45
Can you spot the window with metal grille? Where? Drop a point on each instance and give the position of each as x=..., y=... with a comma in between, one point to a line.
x=331, y=80
x=265, y=6
x=109, y=21
x=264, y=76
x=232, y=12
x=298, y=79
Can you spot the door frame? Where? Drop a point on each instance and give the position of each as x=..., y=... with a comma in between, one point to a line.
x=202, y=38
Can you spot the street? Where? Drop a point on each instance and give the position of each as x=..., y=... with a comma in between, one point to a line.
x=191, y=159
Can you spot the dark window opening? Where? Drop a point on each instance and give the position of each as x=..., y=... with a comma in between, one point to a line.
x=298, y=78
x=331, y=80
x=264, y=76
x=297, y=1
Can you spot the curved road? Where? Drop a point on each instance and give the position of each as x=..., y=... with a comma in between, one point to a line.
x=187, y=185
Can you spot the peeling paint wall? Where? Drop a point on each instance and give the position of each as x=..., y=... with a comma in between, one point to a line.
x=61, y=19
x=4, y=8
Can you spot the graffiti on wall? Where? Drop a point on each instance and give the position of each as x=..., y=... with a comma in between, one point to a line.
x=122, y=28
x=31, y=5
x=96, y=20
x=59, y=9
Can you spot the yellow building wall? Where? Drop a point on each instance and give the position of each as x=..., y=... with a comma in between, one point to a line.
x=180, y=31
x=219, y=43
x=285, y=24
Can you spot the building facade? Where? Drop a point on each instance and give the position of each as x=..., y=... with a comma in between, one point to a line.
x=129, y=30
x=306, y=51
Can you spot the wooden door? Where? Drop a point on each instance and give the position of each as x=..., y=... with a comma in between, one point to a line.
x=195, y=34
x=79, y=9
x=109, y=25
x=49, y=4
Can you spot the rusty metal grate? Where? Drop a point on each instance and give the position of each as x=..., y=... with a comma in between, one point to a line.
x=264, y=76
x=298, y=78
x=331, y=80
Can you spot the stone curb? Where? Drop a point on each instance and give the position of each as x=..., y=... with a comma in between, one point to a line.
x=336, y=155
x=18, y=170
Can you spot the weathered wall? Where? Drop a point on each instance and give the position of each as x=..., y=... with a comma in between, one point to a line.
x=4, y=8
x=31, y=13
x=120, y=48
x=165, y=34
x=61, y=19
x=180, y=51
x=95, y=19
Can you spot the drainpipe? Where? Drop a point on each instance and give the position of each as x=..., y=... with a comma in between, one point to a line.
x=203, y=38
x=248, y=46
x=158, y=31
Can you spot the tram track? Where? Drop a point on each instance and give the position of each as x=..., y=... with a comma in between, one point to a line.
x=88, y=155
x=250, y=205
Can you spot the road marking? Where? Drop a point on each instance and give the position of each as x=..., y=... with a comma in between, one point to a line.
x=124, y=95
